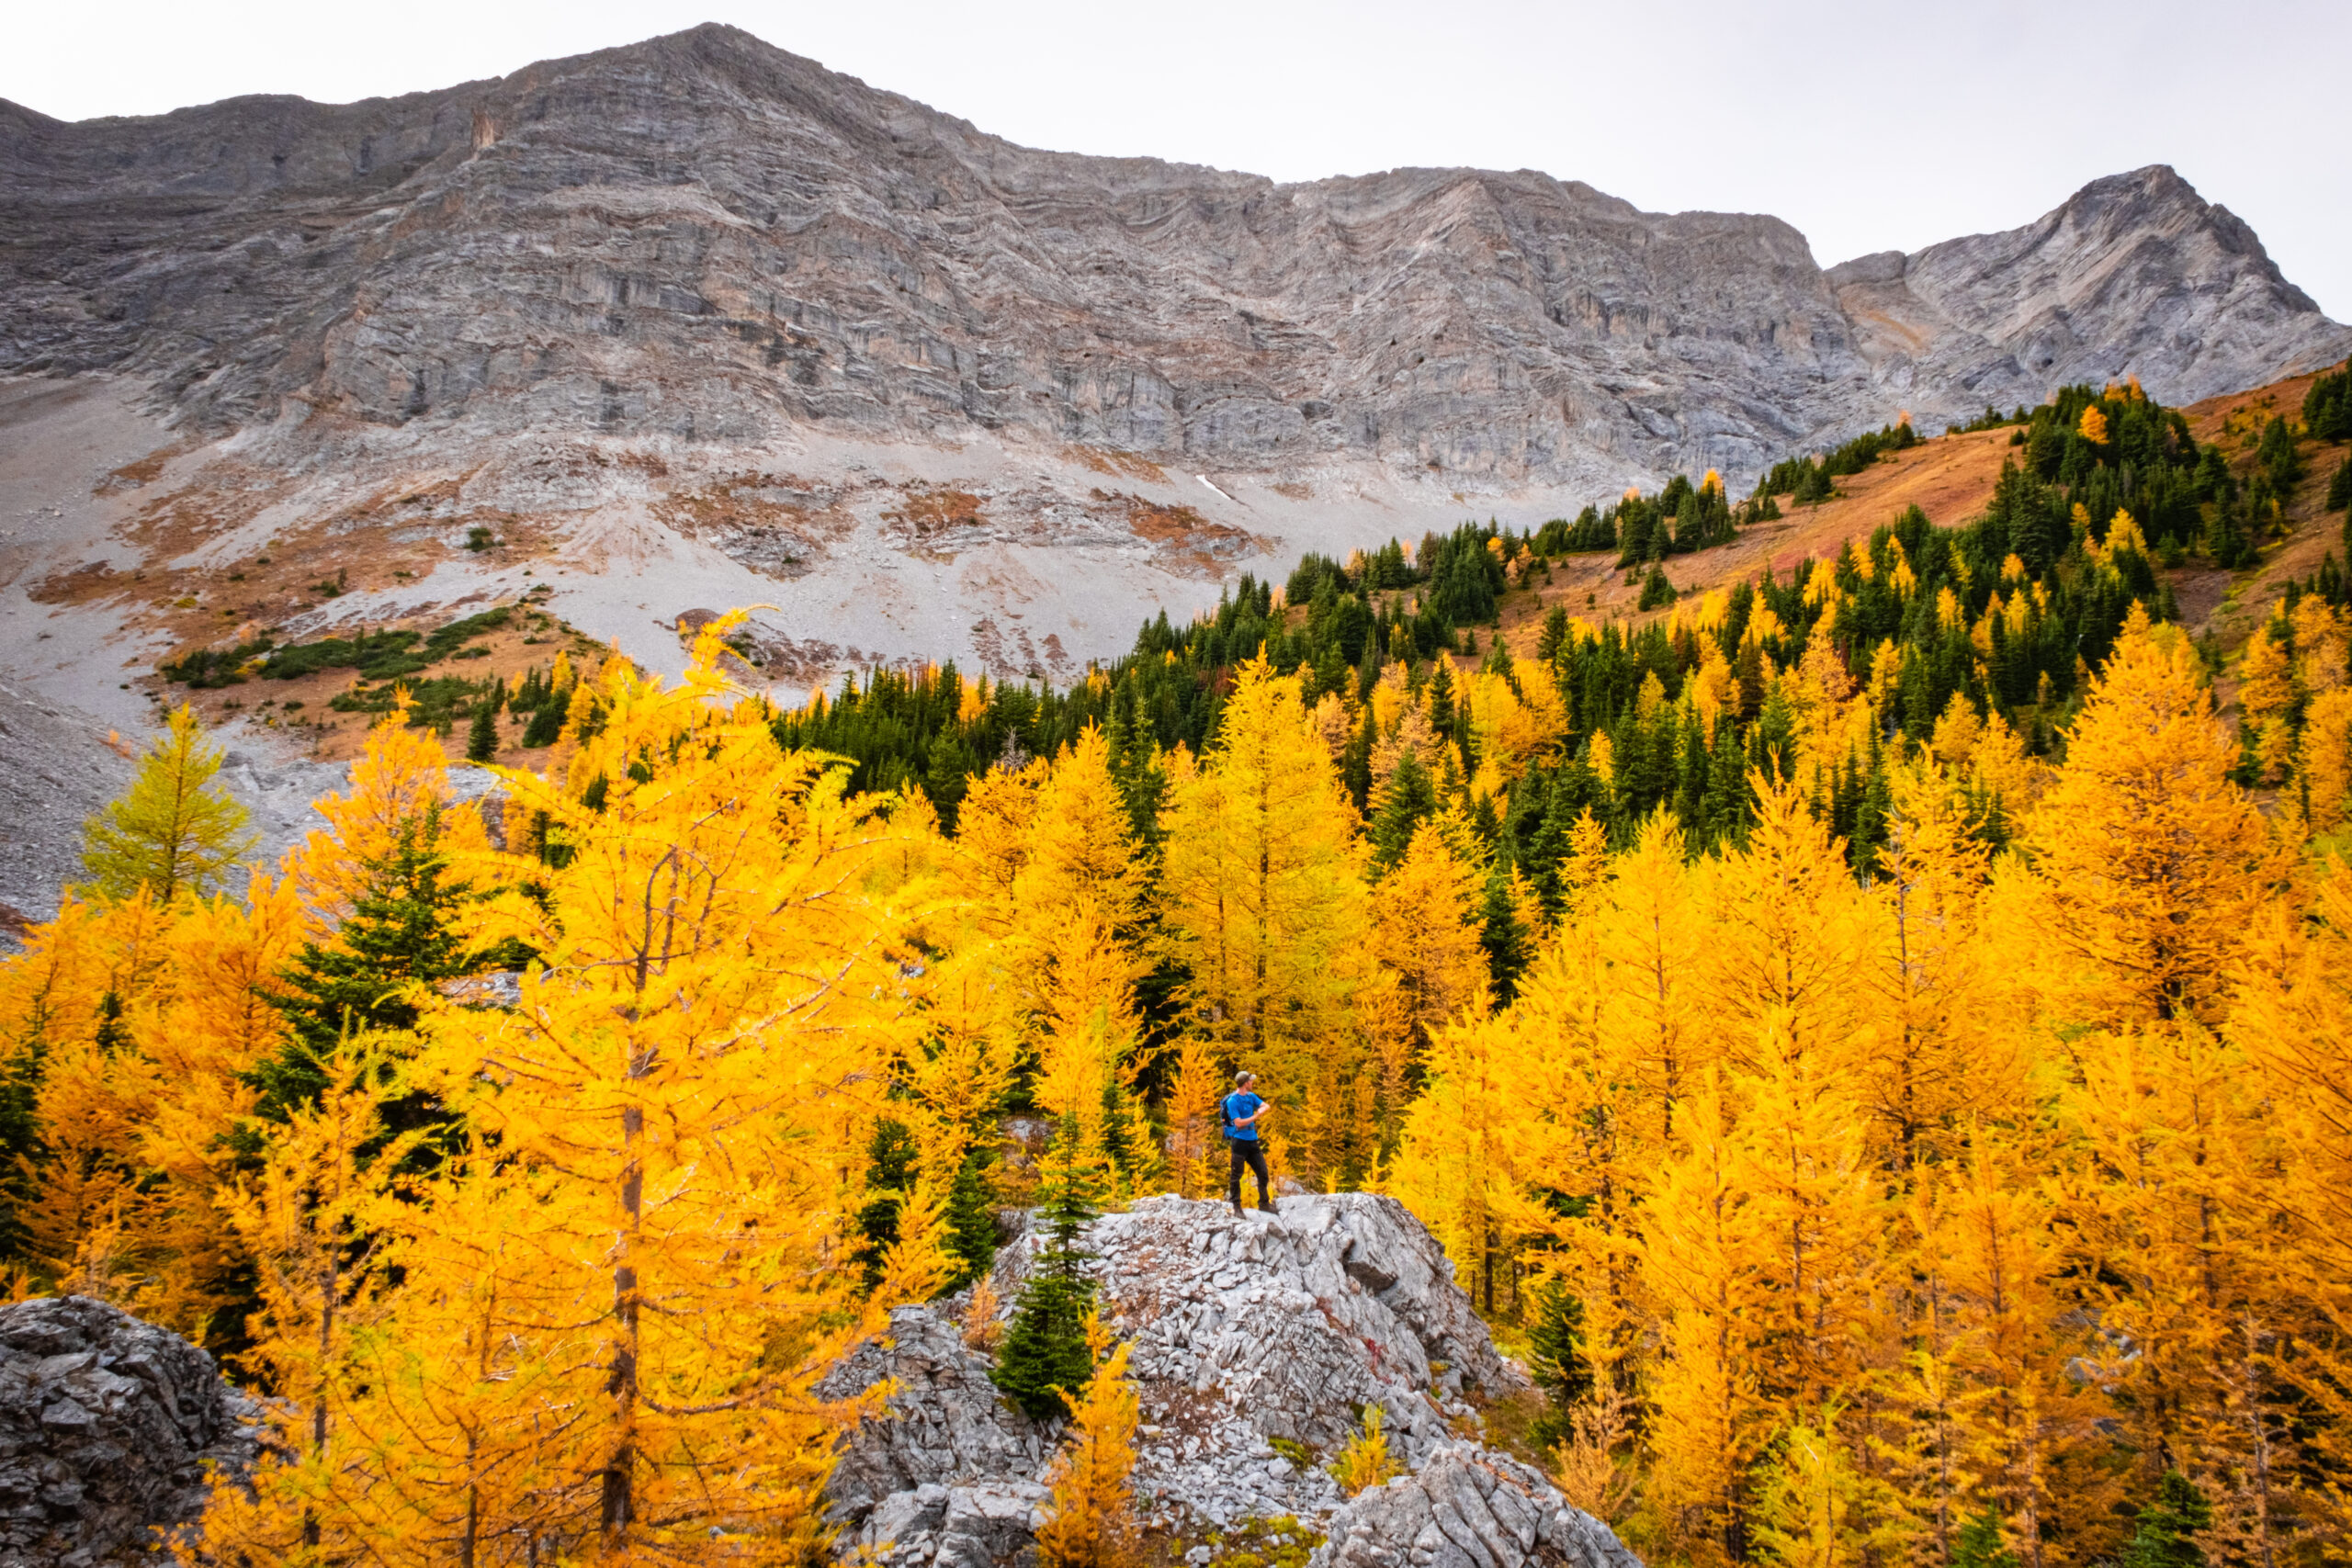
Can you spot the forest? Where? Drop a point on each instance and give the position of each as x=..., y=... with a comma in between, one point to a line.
x=1877, y=1044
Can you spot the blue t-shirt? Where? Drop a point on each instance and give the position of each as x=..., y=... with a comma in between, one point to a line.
x=1238, y=1108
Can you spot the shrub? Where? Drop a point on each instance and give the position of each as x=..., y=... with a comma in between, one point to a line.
x=1365, y=1462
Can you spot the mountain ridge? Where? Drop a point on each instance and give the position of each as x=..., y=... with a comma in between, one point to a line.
x=1739, y=346
x=697, y=322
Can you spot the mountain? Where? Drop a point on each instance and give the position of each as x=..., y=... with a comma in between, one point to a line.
x=706, y=238
x=695, y=323
x=2136, y=273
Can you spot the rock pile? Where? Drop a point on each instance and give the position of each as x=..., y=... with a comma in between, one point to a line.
x=107, y=1428
x=1259, y=1345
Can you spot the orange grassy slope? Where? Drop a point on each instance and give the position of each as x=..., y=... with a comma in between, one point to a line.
x=1951, y=477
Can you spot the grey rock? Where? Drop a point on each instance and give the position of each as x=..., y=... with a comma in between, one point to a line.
x=1466, y=1507
x=1241, y=1332
x=2134, y=273
x=111, y=1429
x=945, y=1423
x=706, y=238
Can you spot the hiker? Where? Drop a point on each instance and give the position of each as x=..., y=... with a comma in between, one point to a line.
x=1242, y=1111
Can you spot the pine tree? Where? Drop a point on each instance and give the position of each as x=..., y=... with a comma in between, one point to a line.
x=481, y=736
x=971, y=1222
x=174, y=830
x=890, y=1156
x=2169, y=1524
x=401, y=935
x=1406, y=801
x=1045, y=1353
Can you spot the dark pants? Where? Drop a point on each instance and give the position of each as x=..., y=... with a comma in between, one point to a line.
x=1249, y=1151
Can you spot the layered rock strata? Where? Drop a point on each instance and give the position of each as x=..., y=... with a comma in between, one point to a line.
x=706, y=238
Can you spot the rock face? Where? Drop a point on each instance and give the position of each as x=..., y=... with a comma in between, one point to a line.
x=706, y=238
x=106, y=1426
x=2136, y=273
x=1245, y=1334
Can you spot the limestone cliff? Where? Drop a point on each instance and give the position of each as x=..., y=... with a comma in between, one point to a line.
x=706, y=238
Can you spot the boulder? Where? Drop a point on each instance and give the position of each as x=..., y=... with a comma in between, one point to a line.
x=109, y=1428
x=1466, y=1507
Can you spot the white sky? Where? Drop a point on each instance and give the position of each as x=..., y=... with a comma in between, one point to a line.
x=1870, y=127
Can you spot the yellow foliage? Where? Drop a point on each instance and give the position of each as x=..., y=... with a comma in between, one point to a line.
x=1364, y=1461
x=1090, y=1517
x=2147, y=858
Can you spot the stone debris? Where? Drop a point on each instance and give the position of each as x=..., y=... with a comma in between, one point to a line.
x=1257, y=1343
x=107, y=1426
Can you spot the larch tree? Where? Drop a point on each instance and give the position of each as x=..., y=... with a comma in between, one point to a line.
x=1261, y=888
x=719, y=976
x=2147, y=858
x=174, y=830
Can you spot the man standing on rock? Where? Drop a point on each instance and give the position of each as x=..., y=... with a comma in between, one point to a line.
x=1243, y=1111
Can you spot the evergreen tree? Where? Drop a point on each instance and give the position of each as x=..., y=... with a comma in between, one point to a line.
x=402, y=935
x=971, y=1222
x=481, y=736
x=2165, y=1537
x=1410, y=799
x=1978, y=1544
x=1044, y=1346
x=1657, y=590
x=1556, y=1346
x=547, y=721
x=1555, y=634
x=890, y=1156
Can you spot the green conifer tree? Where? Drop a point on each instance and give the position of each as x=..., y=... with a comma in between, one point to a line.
x=481, y=736
x=401, y=936
x=971, y=1222
x=1044, y=1346
x=1554, y=635
x=890, y=1157
x=1978, y=1545
x=1411, y=800
x=2165, y=1537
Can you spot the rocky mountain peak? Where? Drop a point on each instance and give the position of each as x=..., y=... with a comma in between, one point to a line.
x=2134, y=274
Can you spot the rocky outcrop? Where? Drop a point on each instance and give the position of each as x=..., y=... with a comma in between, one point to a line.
x=1468, y=1507
x=943, y=1423
x=109, y=1430
x=1257, y=1345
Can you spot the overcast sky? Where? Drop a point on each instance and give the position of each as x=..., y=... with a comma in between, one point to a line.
x=1873, y=126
